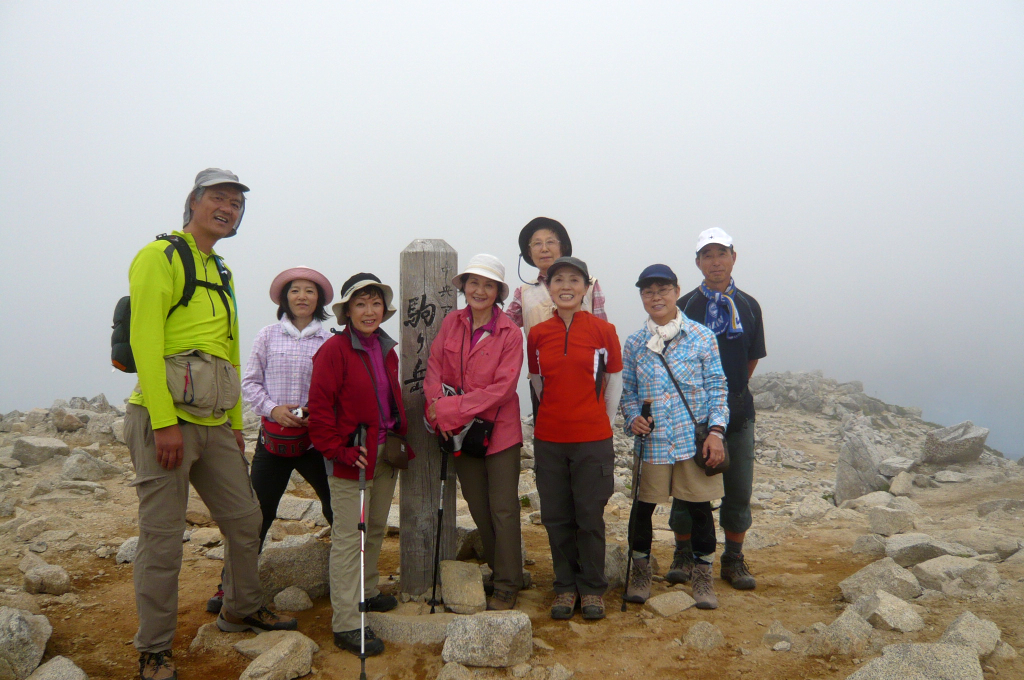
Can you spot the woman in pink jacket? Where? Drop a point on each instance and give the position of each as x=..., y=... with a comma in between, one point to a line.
x=470, y=388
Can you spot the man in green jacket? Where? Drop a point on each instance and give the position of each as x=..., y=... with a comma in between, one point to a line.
x=184, y=424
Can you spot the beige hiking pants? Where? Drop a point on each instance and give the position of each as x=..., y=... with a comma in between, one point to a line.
x=344, y=567
x=219, y=473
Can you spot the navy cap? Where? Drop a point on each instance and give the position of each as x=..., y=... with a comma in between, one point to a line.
x=657, y=271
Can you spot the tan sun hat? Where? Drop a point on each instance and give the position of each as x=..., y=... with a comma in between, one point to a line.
x=301, y=273
x=487, y=266
x=354, y=284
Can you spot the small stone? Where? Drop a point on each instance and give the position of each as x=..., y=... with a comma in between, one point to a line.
x=925, y=661
x=59, y=668
x=886, y=521
x=293, y=599
x=126, y=553
x=251, y=648
x=497, y=639
x=293, y=507
x=670, y=603
x=950, y=477
x=777, y=633
x=845, y=636
x=980, y=635
x=23, y=639
x=560, y=672
x=541, y=644
x=871, y=545
x=462, y=587
x=782, y=646
x=902, y=484
x=206, y=536
x=885, y=575
x=410, y=629
x=704, y=636
x=455, y=671
x=36, y=450
x=290, y=658
x=888, y=612
x=51, y=579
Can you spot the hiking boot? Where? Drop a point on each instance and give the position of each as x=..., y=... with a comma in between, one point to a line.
x=593, y=607
x=564, y=605
x=735, y=572
x=501, y=600
x=682, y=567
x=381, y=603
x=262, y=620
x=214, y=604
x=639, y=588
x=704, y=587
x=349, y=641
x=157, y=666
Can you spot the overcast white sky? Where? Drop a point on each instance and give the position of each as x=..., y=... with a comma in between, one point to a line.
x=868, y=158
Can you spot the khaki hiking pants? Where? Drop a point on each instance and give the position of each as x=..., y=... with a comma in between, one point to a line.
x=344, y=569
x=219, y=473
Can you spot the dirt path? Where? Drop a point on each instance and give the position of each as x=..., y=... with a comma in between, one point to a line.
x=797, y=584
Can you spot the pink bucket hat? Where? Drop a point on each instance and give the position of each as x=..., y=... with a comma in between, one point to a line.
x=301, y=273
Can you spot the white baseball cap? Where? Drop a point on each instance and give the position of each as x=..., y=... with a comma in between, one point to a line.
x=487, y=266
x=713, y=235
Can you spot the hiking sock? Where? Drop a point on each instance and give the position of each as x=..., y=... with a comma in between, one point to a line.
x=700, y=558
x=641, y=555
x=733, y=548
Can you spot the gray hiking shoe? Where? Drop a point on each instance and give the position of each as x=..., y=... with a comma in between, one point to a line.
x=639, y=587
x=735, y=572
x=704, y=587
x=592, y=607
x=682, y=567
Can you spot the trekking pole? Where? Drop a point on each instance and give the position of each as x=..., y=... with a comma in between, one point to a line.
x=361, y=434
x=645, y=413
x=440, y=518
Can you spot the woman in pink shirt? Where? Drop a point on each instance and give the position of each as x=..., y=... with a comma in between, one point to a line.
x=477, y=355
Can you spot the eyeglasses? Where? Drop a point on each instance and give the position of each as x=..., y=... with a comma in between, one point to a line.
x=550, y=243
x=650, y=294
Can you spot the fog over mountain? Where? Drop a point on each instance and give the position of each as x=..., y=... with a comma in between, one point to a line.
x=868, y=158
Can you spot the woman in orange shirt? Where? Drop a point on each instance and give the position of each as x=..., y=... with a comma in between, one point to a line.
x=575, y=366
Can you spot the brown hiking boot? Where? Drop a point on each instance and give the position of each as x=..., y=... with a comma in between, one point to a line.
x=704, y=587
x=563, y=606
x=735, y=572
x=501, y=600
x=682, y=567
x=263, y=619
x=157, y=666
x=593, y=607
x=639, y=587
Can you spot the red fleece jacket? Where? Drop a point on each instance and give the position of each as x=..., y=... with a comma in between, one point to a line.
x=342, y=397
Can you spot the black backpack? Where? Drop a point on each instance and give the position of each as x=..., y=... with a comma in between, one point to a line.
x=120, y=340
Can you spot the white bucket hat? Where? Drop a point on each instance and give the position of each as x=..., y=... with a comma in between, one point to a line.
x=487, y=266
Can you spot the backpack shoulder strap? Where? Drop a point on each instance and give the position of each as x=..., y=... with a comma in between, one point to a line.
x=189, y=265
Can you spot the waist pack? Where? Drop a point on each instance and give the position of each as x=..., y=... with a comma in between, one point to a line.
x=121, y=356
x=202, y=384
x=286, y=442
x=396, y=451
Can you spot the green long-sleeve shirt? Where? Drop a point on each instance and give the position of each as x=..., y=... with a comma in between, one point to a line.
x=156, y=280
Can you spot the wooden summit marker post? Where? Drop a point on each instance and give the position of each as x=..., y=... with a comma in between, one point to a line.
x=426, y=292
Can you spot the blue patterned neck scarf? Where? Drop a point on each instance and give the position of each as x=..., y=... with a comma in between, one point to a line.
x=721, y=315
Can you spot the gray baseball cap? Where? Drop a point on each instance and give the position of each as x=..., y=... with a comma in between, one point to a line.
x=212, y=177
x=573, y=262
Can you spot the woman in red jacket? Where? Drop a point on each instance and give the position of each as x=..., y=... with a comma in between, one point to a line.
x=478, y=353
x=355, y=385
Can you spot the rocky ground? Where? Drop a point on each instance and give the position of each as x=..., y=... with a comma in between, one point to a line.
x=921, y=561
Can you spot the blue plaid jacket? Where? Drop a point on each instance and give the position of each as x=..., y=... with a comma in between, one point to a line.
x=693, y=356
